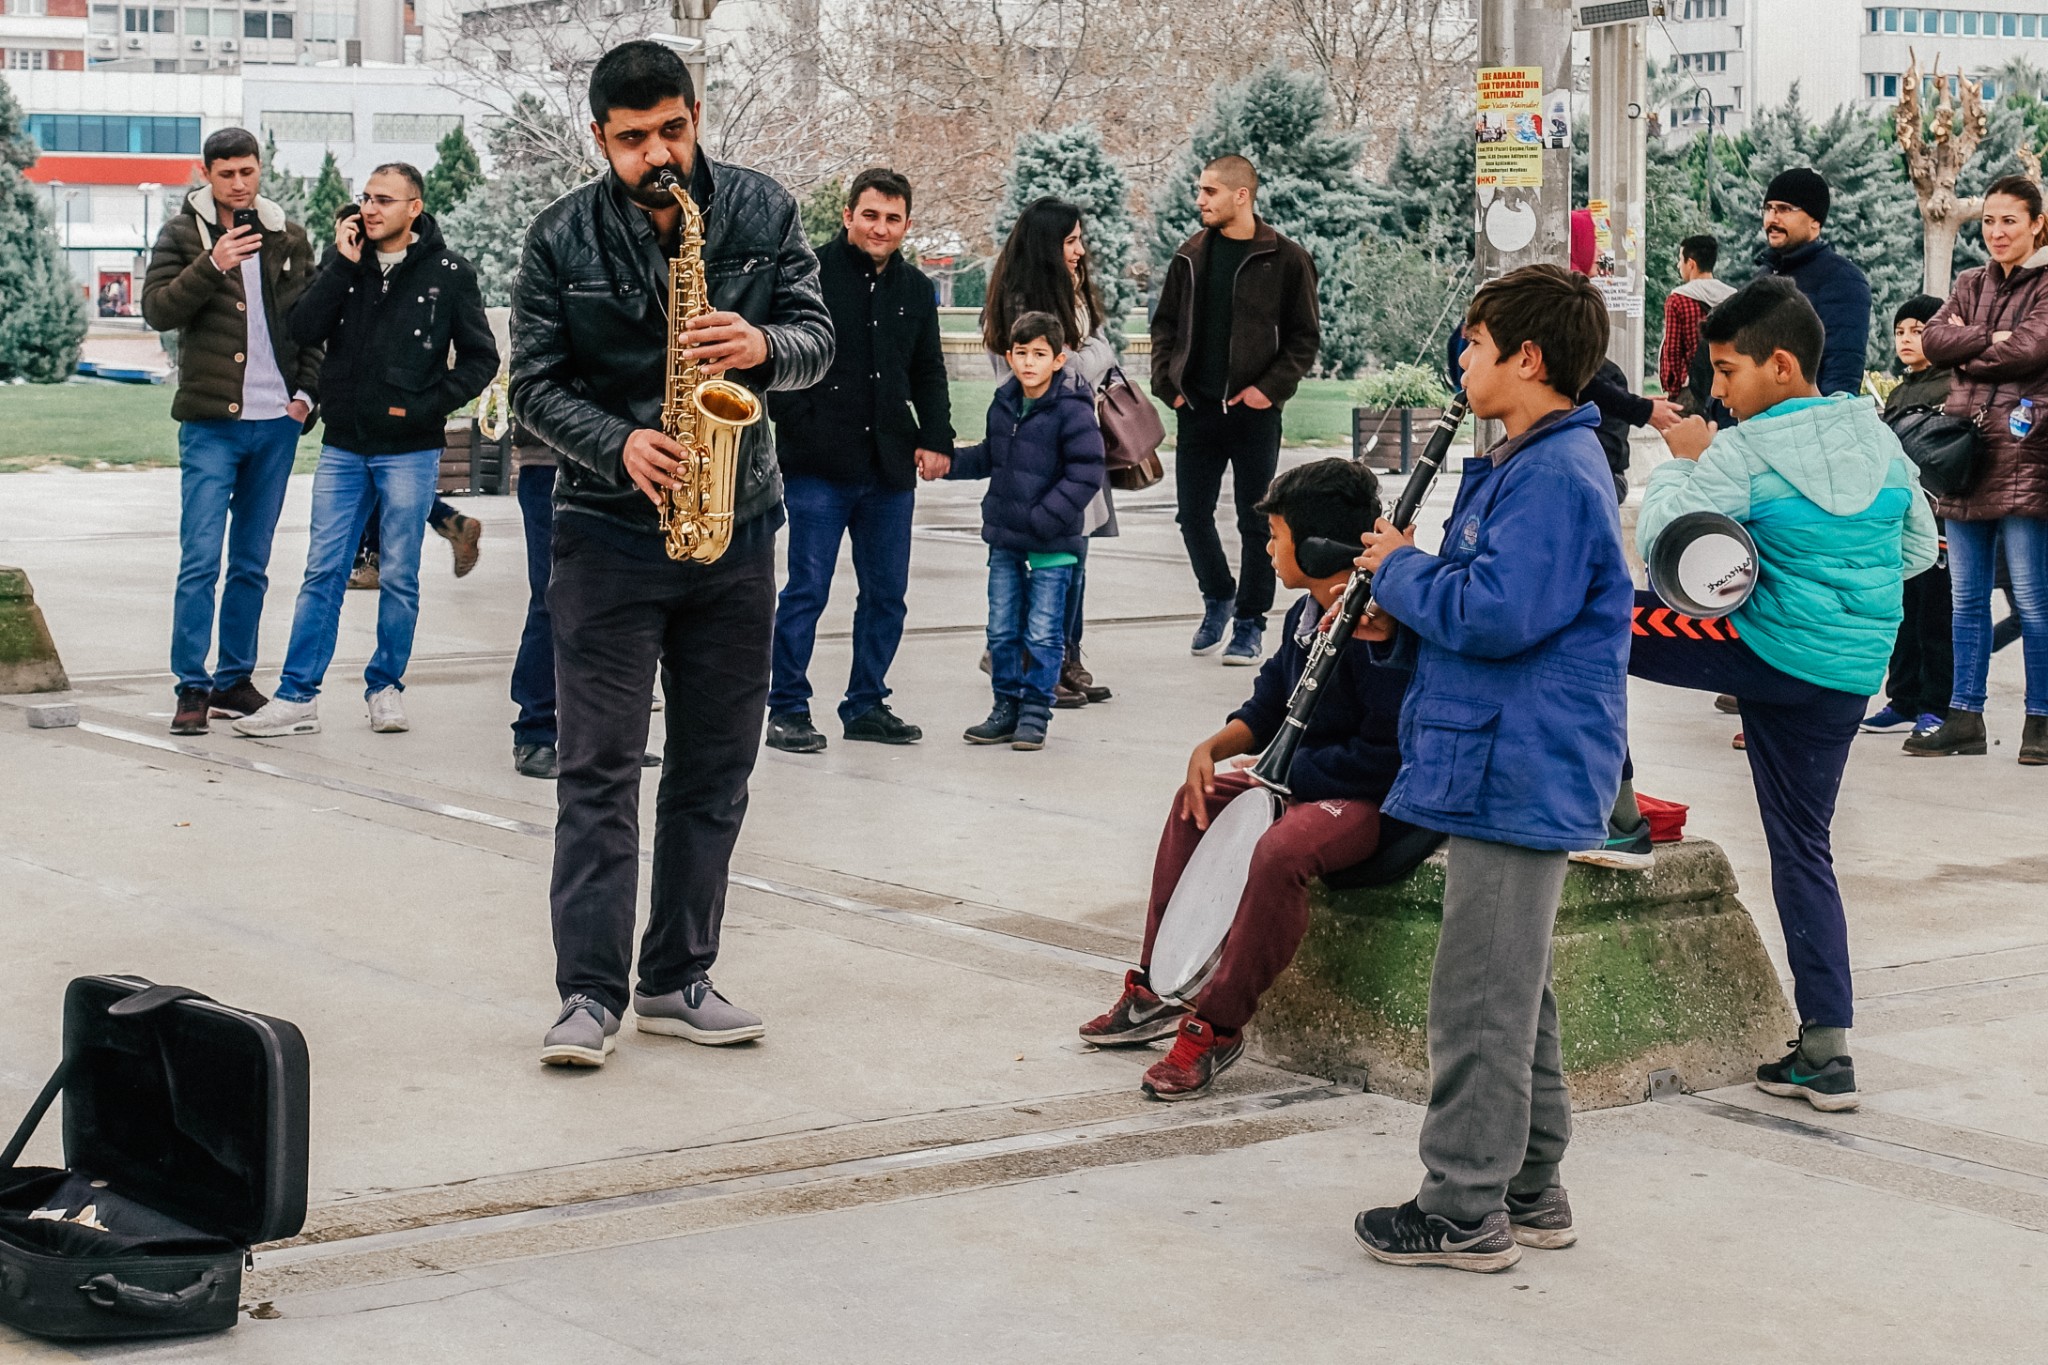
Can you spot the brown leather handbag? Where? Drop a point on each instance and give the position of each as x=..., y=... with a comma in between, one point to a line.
x=1131, y=433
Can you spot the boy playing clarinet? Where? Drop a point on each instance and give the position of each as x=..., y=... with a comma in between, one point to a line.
x=1344, y=764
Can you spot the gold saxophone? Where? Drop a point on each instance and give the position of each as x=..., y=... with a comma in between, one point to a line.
x=703, y=416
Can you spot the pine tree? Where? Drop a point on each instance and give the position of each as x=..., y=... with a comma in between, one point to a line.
x=822, y=210
x=1425, y=198
x=328, y=194
x=456, y=172
x=42, y=309
x=1309, y=188
x=279, y=185
x=1072, y=165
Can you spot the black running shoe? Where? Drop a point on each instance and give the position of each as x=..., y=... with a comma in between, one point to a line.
x=879, y=725
x=1830, y=1087
x=1408, y=1236
x=1543, y=1219
x=794, y=734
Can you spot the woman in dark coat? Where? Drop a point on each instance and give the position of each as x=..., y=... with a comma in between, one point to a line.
x=1043, y=268
x=1994, y=332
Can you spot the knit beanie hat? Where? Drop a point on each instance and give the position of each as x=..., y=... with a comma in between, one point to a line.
x=1920, y=308
x=1803, y=188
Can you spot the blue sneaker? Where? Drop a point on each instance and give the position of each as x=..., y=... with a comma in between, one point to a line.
x=1247, y=635
x=1888, y=720
x=1927, y=724
x=1215, y=619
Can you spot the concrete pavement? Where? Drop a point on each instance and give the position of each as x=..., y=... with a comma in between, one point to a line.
x=919, y=1163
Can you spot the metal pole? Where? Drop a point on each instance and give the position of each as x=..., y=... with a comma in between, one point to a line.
x=1619, y=150
x=691, y=16
x=1526, y=225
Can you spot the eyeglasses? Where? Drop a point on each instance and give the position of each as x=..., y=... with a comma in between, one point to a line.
x=384, y=201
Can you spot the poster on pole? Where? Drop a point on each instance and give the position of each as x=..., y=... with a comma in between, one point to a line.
x=1509, y=130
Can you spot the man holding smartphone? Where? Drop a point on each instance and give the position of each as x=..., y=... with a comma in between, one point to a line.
x=224, y=273
x=390, y=303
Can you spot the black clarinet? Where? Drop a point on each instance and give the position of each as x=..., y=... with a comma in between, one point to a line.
x=1272, y=768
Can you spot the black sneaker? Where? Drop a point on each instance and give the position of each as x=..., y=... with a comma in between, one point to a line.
x=879, y=725
x=233, y=703
x=1830, y=1087
x=999, y=728
x=1542, y=1220
x=1629, y=850
x=190, y=716
x=536, y=760
x=1408, y=1236
x=794, y=734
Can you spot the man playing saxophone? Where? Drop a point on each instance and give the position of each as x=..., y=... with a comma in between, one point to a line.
x=591, y=349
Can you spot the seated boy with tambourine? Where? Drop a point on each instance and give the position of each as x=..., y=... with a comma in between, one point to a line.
x=1347, y=759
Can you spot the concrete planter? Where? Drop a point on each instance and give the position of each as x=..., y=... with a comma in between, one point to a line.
x=28, y=656
x=1397, y=444
x=1654, y=970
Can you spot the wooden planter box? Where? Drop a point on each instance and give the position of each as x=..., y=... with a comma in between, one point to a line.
x=1401, y=432
x=472, y=464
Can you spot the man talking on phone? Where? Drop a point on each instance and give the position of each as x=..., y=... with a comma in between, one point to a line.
x=390, y=303
x=223, y=275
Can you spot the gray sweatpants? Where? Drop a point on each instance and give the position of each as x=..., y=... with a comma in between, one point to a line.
x=1499, y=1117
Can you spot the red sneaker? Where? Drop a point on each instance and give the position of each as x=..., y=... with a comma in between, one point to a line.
x=1137, y=1017
x=1199, y=1056
x=1738, y=742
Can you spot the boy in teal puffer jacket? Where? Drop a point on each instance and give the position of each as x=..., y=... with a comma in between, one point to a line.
x=1834, y=507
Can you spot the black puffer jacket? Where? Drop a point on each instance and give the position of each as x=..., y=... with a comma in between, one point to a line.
x=387, y=386
x=186, y=293
x=590, y=329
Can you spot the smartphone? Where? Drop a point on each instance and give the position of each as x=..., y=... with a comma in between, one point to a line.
x=246, y=218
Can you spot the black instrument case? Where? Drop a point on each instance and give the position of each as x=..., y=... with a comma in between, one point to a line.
x=184, y=1145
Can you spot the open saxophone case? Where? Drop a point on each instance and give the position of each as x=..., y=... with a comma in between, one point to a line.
x=185, y=1136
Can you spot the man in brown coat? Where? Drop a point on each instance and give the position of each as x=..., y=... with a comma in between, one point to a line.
x=224, y=273
x=1236, y=329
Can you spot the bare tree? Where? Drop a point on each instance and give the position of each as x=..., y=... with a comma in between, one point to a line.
x=1388, y=64
x=1935, y=166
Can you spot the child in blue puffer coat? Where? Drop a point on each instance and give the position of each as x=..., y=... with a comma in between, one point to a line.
x=1839, y=522
x=1043, y=461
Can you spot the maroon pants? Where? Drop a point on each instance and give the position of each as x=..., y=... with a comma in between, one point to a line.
x=1309, y=839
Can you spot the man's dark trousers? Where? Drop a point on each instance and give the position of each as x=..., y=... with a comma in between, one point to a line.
x=822, y=512
x=533, y=668
x=617, y=615
x=1246, y=441
x=1922, y=676
x=1797, y=736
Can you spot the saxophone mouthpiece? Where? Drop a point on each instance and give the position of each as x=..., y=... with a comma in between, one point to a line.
x=667, y=179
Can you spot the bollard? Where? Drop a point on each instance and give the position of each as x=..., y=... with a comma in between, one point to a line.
x=28, y=656
x=53, y=715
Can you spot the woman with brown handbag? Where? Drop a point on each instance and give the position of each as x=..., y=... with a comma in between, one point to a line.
x=1043, y=268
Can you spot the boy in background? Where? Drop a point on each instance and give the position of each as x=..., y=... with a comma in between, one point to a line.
x=1346, y=760
x=1839, y=522
x=1512, y=739
x=1043, y=460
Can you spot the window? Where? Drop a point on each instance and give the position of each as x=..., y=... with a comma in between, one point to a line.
x=280, y=26
x=195, y=23
x=2027, y=25
x=135, y=133
x=135, y=20
x=164, y=20
x=1891, y=87
x=2009, y=25
x=1990, y=88
x=25, y=59
x=1912, y=20
x=1891, y=21
x=255, y=24
x=225, y=22
x=1948, y=21
x=420, y=129
x=105, y=19
x=27, y=8
x=309, y=126
x=1970, y=24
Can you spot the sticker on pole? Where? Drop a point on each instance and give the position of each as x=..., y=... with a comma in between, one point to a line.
x=1508, y=132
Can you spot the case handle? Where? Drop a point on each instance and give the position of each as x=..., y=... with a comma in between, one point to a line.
x=114, y=1293
x=34, y=1116
x=155, y=998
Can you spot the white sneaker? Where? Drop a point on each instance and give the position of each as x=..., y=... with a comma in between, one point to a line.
x=278, y=717
x=387, y=712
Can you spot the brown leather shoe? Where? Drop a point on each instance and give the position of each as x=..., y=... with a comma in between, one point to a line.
x=1075, y=677
x=465, y=535
x=1066, y=698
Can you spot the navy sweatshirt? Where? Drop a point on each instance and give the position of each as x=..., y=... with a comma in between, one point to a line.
x=1351, y=748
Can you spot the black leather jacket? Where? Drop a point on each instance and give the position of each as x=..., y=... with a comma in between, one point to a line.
x=590, y=329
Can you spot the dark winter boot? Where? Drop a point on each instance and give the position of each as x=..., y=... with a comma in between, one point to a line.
x=1032, y=719
x=1961, y=733
x=2034, y=742
x=999, y=728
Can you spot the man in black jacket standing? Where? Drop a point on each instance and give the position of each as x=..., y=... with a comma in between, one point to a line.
x=590, y=342
x=1796, y=206
x=851, y=447
x=390, y=302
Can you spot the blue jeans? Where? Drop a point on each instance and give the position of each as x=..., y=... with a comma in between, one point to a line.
x=231, y=485
x=821, y=512
x=1972, y=569
x=1027, y=626
x=533, y=668
x=344, y=488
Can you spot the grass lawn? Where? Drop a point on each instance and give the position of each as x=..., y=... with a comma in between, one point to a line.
x=128, y=426
x=96, y=425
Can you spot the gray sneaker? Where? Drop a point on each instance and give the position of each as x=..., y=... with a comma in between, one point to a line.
x=1542, y=1220
x=697, y=1012
x=584, y=1035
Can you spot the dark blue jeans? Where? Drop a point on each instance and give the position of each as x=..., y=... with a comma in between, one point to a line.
x=232, y=477
x=1797, y=737
x=533, y=668
x=1027, y=626
x=822, y=512
x=1972, y=561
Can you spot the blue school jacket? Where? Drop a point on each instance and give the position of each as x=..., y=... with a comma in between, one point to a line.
x=1516, y=722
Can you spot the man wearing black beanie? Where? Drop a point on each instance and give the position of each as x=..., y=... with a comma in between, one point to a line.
x=1795, y=209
